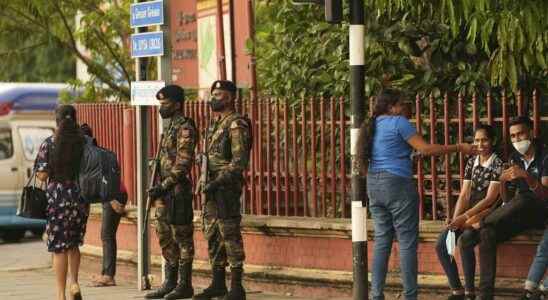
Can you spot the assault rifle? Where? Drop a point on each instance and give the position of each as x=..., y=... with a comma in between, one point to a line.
x=154, y=173
x=202, y=159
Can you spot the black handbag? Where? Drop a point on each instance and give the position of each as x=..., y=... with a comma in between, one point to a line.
x=34, y=201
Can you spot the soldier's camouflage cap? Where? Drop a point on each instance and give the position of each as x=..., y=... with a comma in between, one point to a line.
x=172, y=92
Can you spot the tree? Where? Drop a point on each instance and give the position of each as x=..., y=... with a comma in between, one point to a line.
x=298, y=54
x=46, y=62
x=415, y=45
x=99, y=39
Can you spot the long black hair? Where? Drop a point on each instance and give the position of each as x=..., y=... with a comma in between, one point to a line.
x=384, y=101
x=68, y=145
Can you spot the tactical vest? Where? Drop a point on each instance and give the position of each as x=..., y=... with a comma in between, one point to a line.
x=219, y=146
x=168, y=150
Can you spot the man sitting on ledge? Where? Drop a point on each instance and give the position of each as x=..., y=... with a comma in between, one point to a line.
x=527, y=175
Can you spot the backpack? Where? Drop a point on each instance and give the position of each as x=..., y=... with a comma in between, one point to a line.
x=99, y=176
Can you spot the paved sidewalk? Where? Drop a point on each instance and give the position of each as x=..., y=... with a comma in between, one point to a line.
x=30, y=253
x=40, y=284
x=26, y=274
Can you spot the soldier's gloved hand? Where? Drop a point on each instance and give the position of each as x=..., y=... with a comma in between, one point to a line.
x=211, y=187
x=156, y=191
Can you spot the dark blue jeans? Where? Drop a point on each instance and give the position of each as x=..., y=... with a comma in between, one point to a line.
x=467, y=241
x=393, y=201
x=539, y=265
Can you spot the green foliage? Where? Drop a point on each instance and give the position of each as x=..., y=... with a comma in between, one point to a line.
x=415, y=45
x=34, y=61
x=298, y=55
x=98, y=26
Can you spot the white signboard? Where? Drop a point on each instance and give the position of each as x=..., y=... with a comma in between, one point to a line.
x=144, y=92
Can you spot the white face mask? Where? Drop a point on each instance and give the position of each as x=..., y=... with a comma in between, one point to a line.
x=522, y=146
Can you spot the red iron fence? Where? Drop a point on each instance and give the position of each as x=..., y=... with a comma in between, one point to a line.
x=455, y=118
x=300, y=162
x=298, y=165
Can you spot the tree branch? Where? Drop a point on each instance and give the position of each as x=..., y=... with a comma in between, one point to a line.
x=114, y=54
x=106, y=79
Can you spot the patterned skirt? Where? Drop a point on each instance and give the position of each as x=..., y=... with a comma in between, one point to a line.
x=67, y=216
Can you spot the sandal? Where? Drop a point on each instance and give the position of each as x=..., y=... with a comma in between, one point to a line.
x=75, y=291
x=102, y=282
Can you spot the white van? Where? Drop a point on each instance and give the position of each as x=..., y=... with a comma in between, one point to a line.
x=26, y=119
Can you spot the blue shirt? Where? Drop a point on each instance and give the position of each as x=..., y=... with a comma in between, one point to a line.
x=391, y=152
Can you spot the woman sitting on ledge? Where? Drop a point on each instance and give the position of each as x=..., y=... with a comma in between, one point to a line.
x=480, y=191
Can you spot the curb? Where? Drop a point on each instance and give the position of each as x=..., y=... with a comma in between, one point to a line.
x=312, y=278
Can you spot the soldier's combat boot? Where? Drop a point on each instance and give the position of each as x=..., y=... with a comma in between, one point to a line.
x=184, y=289
x=217, y=288
x=237, y=291
x=168, y=285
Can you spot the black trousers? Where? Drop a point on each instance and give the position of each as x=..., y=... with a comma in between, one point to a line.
x=109, y=226
x=522, y=213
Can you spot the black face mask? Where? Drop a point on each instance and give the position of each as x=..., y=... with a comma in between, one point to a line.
x=167, y=110
x=216, y=104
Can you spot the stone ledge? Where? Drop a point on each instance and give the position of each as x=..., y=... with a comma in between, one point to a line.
x=317, y=227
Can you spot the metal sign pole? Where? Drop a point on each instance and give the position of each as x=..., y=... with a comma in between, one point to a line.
x=142, y=15
x=143, y=249
x=143, y=245
x=141, y=120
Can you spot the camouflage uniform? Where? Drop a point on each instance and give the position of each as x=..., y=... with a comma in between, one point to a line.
x=174, y=221
x=228, y=141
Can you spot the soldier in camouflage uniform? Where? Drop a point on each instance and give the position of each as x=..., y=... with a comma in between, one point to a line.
x=228, y=146
x=173, y=197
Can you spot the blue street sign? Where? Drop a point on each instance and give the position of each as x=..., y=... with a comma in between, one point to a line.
x=147, y=14
x=147, y=44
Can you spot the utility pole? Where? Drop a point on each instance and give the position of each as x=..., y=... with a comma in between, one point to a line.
x=357, y=99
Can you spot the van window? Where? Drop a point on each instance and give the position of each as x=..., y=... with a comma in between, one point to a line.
x=32, y=138
x=6, y=143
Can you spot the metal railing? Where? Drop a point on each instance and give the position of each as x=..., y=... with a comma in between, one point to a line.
x=300, y=161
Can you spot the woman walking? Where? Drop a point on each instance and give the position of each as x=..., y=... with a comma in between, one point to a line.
x=58, y=162
x=480, y=191
x=393, y=198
